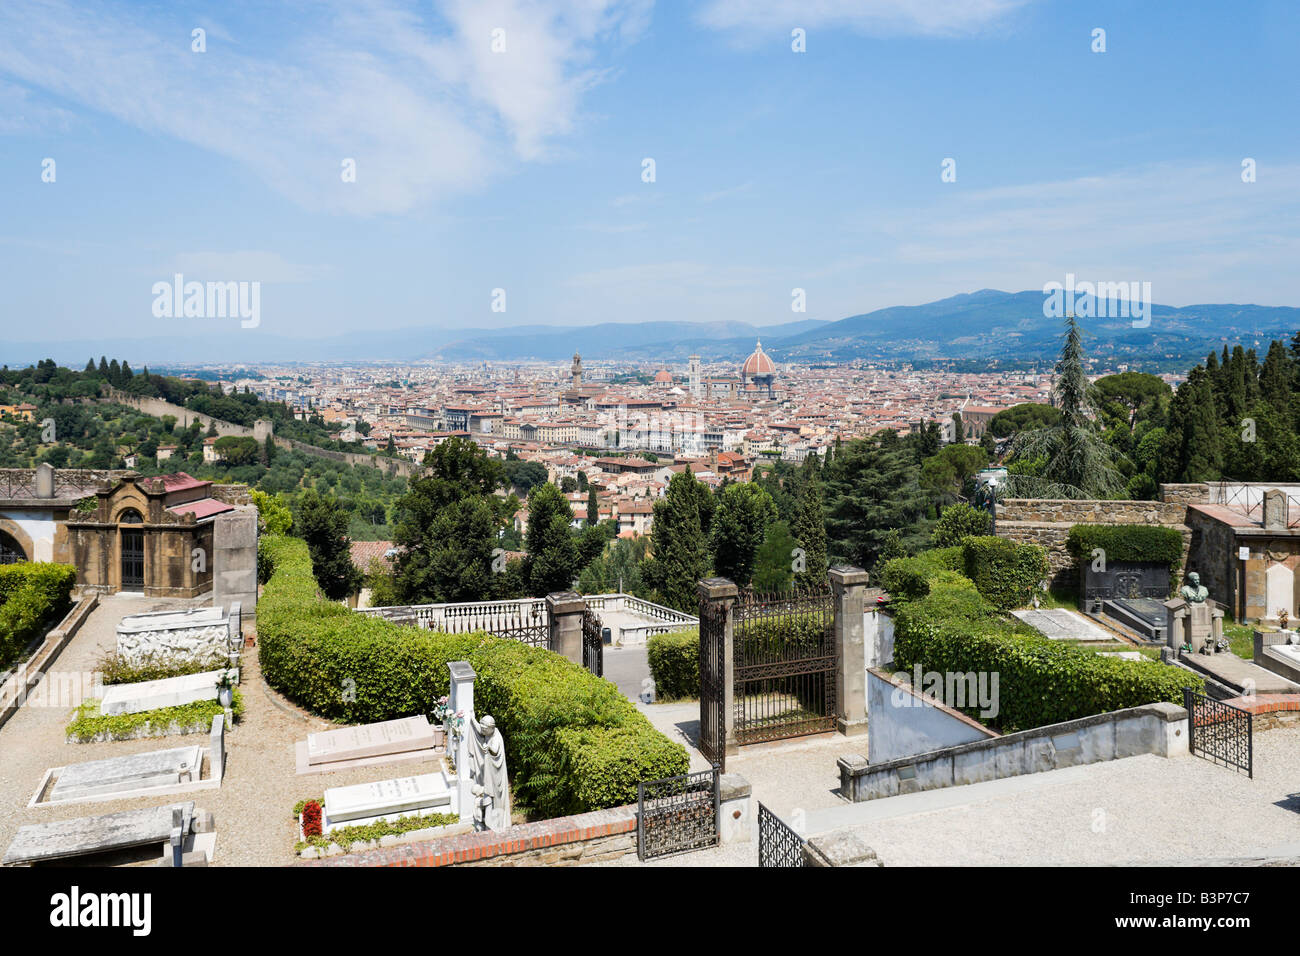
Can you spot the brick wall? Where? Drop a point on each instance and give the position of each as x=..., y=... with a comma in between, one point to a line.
x=563, y=841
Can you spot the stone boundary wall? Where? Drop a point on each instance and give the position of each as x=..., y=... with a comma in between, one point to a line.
x=26, y=674
x=563, y=841
x=1159, y=728
x=184, y=416
x=1270, y=711
x=1047, y=522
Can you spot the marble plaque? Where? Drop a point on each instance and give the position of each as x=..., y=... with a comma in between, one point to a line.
x=370, y=740
x=85, y=835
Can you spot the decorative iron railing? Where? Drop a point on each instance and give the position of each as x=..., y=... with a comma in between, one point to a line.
x=779, y=844
x=1220, y=732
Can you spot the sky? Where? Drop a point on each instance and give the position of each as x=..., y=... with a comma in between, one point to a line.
x=501, y=154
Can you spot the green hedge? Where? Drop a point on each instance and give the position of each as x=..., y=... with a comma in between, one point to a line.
x=675, y=664
x=1128, y=542
x=1007, y=574
x=33, y=598
x=574, y=742
x=1040, y=681
x=909, y=578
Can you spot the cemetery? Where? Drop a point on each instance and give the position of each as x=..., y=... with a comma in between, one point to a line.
x=783, y=730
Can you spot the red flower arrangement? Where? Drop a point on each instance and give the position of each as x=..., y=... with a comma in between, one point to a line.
x=311, y=819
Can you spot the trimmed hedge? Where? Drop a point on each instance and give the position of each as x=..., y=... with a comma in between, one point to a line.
x=675, y=664
x=1128, y=542
x=1007, y=574
x=909, y=578
x=34, y=596
x=573, y=741
x=1040, y=681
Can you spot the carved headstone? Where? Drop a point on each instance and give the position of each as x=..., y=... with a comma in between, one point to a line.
x=1274, y=509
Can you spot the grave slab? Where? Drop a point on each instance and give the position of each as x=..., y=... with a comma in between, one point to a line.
x=1061, y=624
x=83, y=836
x=408, y=738
x=153, y=694
x=366, y=802
x=159, y=768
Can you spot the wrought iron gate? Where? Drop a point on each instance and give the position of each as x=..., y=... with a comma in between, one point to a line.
x=677, y=814
x=785, y=657
x=1220, y=732
x=713, y=725
x=132, y=559
x=593, y=643
x=778, y=843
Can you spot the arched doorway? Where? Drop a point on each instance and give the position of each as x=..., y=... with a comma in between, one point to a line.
x=11, y=552
x=132, y=542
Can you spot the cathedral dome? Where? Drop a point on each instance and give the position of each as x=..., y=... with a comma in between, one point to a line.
x=758, y=363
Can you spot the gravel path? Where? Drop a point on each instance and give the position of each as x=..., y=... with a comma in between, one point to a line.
x=253, y=807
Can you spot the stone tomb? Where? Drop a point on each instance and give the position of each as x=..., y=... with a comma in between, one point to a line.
x=408, y=738
x=1062, y=624
x=387, y=800
x=153, y=694
x=88, y=836
x=122, y=775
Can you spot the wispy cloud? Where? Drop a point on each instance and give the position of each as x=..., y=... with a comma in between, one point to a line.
x=750, y=18
x=423, y=104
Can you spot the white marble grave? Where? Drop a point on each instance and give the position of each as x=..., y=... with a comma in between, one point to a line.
x=97, y=778
x=167, y=692
x=408, y=738
x=387, y=800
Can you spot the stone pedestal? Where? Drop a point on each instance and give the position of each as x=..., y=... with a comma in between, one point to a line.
x=1195, y=624
x=735, y=809
x=461, y=701
x=234, y=560
x=718, y=657
x=564, y=610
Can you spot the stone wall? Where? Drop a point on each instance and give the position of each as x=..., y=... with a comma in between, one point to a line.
x=1047, y=522
x=563, y=841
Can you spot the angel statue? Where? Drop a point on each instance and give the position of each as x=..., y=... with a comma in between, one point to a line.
x=487, y=759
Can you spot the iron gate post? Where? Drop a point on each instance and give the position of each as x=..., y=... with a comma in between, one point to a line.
x=564, y=611
x=847, y=587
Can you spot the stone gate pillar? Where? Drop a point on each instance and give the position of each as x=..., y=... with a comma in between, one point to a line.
x=564, y=612
x=717, y=670
x=847, y=587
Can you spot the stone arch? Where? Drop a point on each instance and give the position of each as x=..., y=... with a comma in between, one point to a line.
x=19, y=537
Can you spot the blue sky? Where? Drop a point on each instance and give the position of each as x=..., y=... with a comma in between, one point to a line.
x=522, y=169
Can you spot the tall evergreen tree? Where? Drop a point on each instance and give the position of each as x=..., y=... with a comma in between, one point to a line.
x=1193, y=449
x=593, y=506
x=323, y=524
x=739, y=526
x=552, y=562
x=809, y=528
x=681, y=551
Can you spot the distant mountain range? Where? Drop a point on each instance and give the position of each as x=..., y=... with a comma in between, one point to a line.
x=982, y=326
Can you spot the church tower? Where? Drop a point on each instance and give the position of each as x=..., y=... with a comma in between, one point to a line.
x=693, y=374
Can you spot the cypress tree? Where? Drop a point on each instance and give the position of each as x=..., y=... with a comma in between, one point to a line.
x=552, y=561
x=681, y=554
x=810, y=529
x=739, y=527
x=593, y=506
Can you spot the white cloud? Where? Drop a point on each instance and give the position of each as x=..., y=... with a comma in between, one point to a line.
x=422, y=104
x=750, y=18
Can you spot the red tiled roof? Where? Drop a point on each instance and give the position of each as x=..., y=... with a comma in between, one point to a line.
x=179, y=481
x=364, y=552
x=203, y=508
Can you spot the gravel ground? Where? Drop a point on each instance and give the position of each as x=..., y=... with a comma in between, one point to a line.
x=254, y=805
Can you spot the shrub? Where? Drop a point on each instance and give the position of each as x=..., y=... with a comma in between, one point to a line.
x=1128, y=542
x=909, y=578
x=118, y=670
x=559, y=722
x=1040, y=681
x=1007, y=574
x=33, y=598
x=675, y=664
x=959, y=522
x=311, y=825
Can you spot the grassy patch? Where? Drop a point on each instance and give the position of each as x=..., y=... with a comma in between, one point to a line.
x=116, y=670
x=88, y=723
